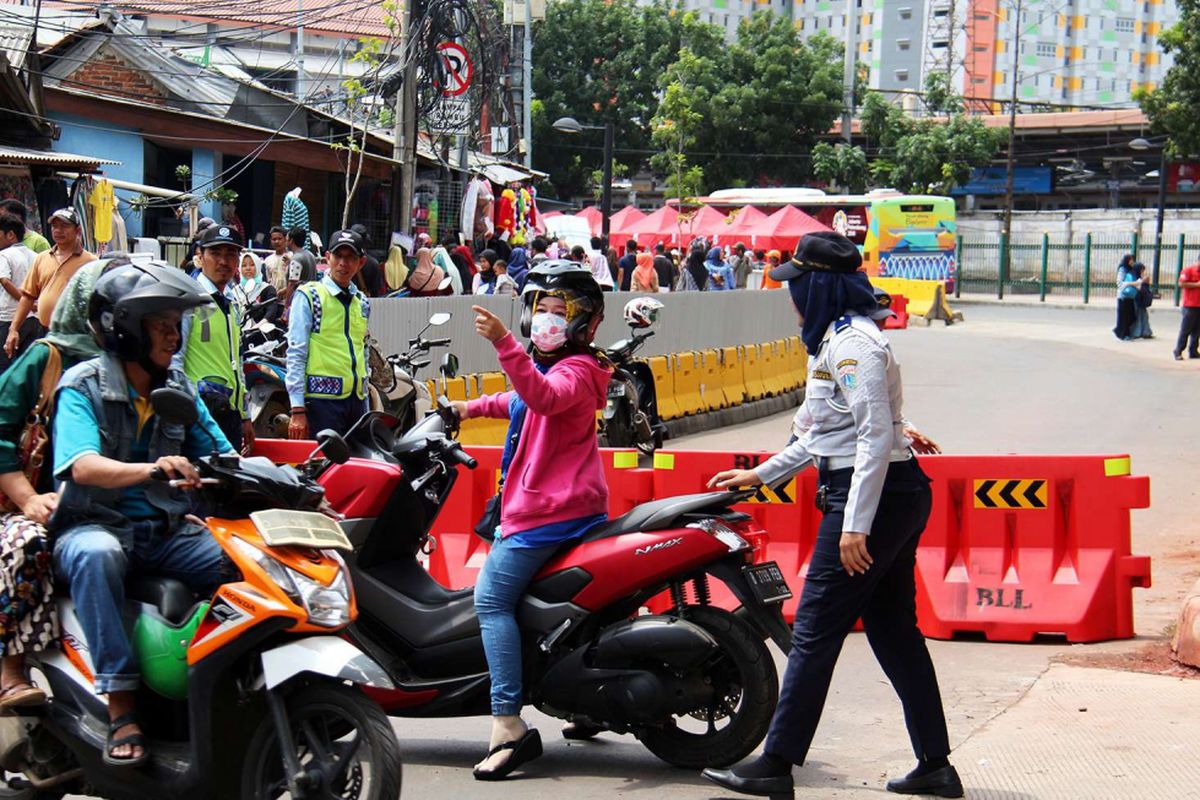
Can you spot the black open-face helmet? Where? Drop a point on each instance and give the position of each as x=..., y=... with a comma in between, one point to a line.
x=127, y=294
x=574, y=284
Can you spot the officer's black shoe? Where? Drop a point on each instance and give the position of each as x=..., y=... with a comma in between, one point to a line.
x=939, y=783
x=777, y=786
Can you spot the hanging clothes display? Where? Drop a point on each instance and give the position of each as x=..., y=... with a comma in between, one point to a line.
x=102, y=201
x=506, y=214
x=52, y=195
x=16, y=185
x=295, y=212
x=466, y=214
x=120, y=239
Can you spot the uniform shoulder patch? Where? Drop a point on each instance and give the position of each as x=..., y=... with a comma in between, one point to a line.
x=822, y=375
x=847, y=362
x=847, y=372
x=842, y=323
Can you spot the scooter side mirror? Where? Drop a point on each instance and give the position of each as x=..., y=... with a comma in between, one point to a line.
x=440, y=318
x=331, y=444
x=174, y=406
x=449, y=367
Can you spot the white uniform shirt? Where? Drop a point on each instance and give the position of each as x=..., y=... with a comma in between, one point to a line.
x=853, y=406
x=15, y=261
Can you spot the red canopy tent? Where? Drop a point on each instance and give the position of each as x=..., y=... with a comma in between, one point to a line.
x=738, y=230
x=658, y=226
x=594, y=218
x=620, y=223
x=552, y=214
x=706, y=222
x=783, y=229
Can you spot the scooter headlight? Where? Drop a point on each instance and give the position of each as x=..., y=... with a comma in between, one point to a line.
x=328, y=606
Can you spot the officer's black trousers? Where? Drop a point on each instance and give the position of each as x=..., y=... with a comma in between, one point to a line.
x=885, y=599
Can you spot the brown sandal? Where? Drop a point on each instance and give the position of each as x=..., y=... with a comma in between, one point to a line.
x=20, y=695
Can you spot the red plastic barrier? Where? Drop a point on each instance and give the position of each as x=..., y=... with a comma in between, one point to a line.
x=900, y=306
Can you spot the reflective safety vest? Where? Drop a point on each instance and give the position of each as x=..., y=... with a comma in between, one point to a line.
x=213, y=360
x=336, y=366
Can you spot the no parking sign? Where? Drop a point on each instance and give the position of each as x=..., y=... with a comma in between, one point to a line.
x=457, y=69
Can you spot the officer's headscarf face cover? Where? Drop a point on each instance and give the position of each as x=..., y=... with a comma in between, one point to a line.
x=821, y=296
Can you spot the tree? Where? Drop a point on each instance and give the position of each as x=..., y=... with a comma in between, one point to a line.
x=763, y=100
x=841, y=165
x=928, y=155
x=1172, y=106
x=598, y=61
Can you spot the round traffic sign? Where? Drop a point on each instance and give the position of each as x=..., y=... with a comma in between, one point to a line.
x=457, y=69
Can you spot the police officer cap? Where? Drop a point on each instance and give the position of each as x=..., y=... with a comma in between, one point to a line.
x=347, y=238
x=220, y=234
x=883, y=302
x=825, y=251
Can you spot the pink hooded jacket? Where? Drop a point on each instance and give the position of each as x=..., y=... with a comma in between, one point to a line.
x=556, y=474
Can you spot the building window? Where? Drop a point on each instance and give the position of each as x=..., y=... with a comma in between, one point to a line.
x=902, y=75
x=1047, y=49
x=1125, y=24
x=903, y=44
x=905, y=13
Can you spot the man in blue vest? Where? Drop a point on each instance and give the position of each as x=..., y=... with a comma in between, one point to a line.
x=210, y=350
x=327, y=344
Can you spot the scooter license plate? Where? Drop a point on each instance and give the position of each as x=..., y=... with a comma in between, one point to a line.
x=768, y=582
x=616, y=390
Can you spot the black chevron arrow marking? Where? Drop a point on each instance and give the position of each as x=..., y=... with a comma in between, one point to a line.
x=1007, y=496
x=1031, y=494
x=981, y=494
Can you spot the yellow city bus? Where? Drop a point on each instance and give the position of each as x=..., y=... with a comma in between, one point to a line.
x=900, y=235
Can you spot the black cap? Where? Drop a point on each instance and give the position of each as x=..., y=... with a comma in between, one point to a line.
x=348, y=238
x=221, y=234
x=825, y=251
x=883, y=302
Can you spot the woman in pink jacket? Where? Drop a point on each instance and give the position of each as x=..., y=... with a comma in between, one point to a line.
x=552, y=479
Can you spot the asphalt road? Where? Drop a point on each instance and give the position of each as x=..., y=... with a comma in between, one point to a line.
x=1022, y=380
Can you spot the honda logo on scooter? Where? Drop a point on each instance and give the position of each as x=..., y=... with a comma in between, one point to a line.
x=641, y=551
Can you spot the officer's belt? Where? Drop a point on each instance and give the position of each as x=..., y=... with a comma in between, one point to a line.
x=830, y=463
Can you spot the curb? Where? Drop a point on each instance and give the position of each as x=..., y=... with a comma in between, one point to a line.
x=734, y=415
x=985, y=301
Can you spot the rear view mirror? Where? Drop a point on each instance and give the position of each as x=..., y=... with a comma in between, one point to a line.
x=444, y=288
x=174, y=406
x=449, y=368
x=333, y=446
x=440, y=318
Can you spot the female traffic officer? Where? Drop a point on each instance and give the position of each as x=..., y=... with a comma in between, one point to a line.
x=875, y=501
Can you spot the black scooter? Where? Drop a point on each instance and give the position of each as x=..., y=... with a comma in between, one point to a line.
x=631, y=414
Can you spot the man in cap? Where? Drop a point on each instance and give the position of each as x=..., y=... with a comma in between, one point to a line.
x=210, y=351
x=742, y=265
x=49, y=275
x=327, y=344
x=875, y=501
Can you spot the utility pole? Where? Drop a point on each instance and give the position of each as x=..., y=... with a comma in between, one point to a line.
x=300, y=75
x=527, y=83
x=851, y=68
x=33, y=64
x=404, y=149
x=1012, y=143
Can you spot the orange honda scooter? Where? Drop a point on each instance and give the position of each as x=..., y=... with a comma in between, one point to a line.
x=252, y=693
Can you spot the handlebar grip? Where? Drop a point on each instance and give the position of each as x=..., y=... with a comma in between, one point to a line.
x=439, y=342
x=465, y=458
x=158, y=474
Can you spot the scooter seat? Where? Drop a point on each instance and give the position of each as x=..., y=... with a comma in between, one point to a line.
x=658, y=514
x=171, y=597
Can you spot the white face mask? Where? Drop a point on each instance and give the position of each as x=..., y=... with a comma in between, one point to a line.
x=548, y=332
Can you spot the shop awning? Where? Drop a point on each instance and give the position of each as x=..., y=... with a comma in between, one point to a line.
x=23, y=155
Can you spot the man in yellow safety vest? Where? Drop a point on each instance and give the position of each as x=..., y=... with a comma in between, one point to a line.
x=327, y=344
x=210, y=349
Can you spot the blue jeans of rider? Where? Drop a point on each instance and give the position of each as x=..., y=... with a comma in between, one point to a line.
x=95, y=565
x=505, y=575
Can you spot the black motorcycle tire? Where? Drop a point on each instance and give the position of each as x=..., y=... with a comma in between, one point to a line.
x=745, y=651
x=618, y=431
x=352, y=711
x=265, y=428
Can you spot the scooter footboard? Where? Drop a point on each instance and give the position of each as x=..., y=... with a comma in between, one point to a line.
x=323, y=655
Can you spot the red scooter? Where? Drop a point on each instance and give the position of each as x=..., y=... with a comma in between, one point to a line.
x=696, y=684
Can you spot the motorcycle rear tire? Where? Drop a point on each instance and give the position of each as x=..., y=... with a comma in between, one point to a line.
x=266, y=428
x=263, y=766
x=748, y=725
x=618, y=431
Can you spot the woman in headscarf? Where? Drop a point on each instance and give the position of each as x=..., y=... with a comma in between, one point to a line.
x=869, y=483
x=28, y=621
x=426, y=277
x=484, y=281
x=518, y=267
x=720, y=274
x=395, y=271
x=645, y=277
x=254, y=288
x=441, y=257
x=694, y=275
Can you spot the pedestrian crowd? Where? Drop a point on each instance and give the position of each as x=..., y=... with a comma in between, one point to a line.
x=1135, y=296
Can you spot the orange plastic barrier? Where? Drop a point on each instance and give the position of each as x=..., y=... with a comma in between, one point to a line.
x=733, y=383
x=900, y=306
x=711, y=394
x=752, y=370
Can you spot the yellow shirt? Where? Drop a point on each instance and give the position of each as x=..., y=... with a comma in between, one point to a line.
x=102, y=202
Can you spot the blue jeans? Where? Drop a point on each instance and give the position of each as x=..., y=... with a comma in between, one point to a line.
x=94, y=564
x=502, y=581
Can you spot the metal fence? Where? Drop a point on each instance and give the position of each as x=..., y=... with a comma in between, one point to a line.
x=1080, y=266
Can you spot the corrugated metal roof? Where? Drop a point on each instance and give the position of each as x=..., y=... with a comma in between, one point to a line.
x=23, y=155
x=14, y=42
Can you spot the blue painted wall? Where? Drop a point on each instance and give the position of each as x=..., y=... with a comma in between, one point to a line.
x=81, y=136
x=206, y=165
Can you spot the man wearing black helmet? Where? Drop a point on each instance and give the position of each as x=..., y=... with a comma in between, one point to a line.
x=112, y=518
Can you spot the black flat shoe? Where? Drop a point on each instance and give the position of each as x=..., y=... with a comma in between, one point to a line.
x=524, y=750
x=940, y=783
x=778, y=787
